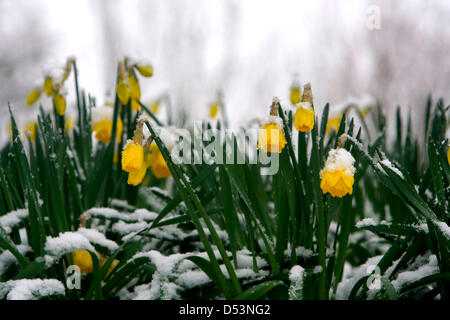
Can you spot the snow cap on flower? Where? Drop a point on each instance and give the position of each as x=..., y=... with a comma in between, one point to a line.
x=337, y=174
x=271, y=137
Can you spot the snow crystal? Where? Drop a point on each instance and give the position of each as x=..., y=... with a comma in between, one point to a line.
x=12, y=219
x=388, y=164
x=339, y=159
x=274, y=119
x=31, y=289
x=366, y=222
x=67, y=242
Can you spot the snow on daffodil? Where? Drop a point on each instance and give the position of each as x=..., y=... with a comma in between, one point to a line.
x=271, y=137
x=338, y=173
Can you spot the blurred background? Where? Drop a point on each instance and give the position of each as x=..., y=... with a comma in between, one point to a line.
x=250, y=50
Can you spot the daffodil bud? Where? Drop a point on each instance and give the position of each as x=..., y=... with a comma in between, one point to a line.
x=60, y=103
x=122, y=92
x=295, y=95
x=214, y=110
x=33, y=96
x=146, y=70
x=304, y=117
x=135, y=89
x=48, y=86
x=338, y=173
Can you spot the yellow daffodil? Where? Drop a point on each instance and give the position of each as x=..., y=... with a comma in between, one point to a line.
x=156, y=162
x=135, y=89
x=30, y=129
x=70, y=123
x=33, y=96
x=338, y=173
x=214, y=110
x=132, y=157
x=295, y=95
x=60, y=103
x=122, y=92
x=271, y=138
x=145, y=70
x=83, y=259
x=304, y=117
x=155, y=107
x=48, y=86
x=103, y=130
x=333, y=123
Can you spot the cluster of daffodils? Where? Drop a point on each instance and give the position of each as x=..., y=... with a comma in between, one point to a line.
x=304, y=115
x=138, y=156
x=337, y=176
x=271, y=138
x=53, y=87
x=102, y=124
x=128, y=89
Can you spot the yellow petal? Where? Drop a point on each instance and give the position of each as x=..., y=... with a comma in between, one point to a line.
x=48, y=86
x=33, y=96
x=135, y=89
x=132, y=157
x=122, y=92
x=83, y=259
x=145, y=70
x=60, y=103
x=295, y=95
x=304, y=119
x=135, y=177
